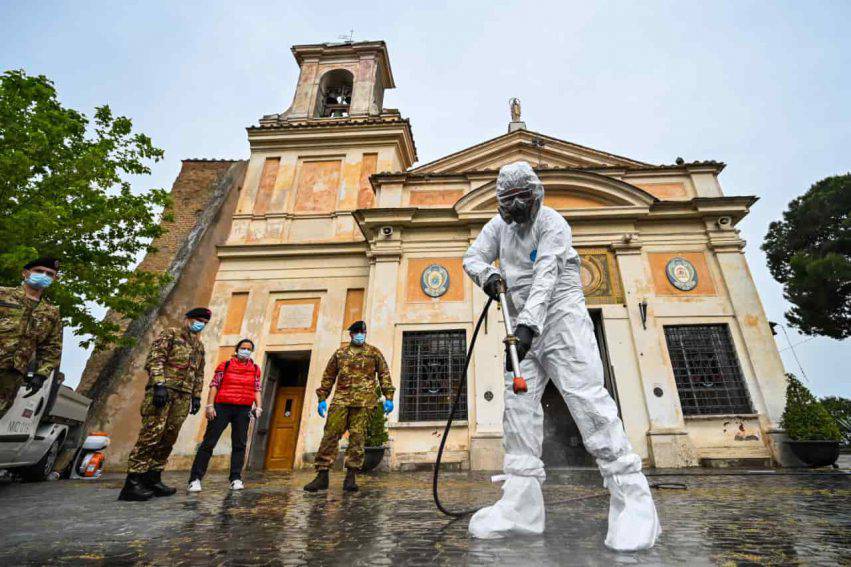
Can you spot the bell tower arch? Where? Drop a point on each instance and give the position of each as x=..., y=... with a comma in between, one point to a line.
x=339, y=80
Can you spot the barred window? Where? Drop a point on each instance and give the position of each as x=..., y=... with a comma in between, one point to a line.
x=709, y=378
x=432, y=366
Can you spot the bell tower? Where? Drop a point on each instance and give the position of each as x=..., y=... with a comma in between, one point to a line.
x=311, y=164
x=339, y=80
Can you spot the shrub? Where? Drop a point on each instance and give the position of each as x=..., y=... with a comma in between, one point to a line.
x=805, y=418
x=840, y=409
x=376, y=428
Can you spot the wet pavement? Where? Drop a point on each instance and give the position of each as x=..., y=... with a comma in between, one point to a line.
x=718, y=520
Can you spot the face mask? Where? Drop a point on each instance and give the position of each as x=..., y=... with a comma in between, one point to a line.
x=359, y=338
x=243, y=354
x=520, y=208
x=39, y=281
x=197, y=326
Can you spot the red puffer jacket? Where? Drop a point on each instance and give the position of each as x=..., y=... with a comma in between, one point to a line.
x=237, y=382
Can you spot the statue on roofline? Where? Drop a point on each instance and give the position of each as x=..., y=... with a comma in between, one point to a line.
x=515, y=109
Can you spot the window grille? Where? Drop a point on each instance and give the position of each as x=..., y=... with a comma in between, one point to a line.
x=432, y=366
x=709, y=378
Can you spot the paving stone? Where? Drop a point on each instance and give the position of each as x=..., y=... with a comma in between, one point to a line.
x=718, y=520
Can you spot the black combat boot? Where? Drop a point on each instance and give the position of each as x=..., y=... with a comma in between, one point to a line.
x=154, y=481
x=350, y=484
x=135, y=489
x=318, y=483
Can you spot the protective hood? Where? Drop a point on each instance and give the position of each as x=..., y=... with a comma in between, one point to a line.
x=519, y=193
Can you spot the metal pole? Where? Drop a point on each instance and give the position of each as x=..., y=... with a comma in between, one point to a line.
x=511, y=341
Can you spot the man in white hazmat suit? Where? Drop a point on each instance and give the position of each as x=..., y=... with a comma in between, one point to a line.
x=555, y=342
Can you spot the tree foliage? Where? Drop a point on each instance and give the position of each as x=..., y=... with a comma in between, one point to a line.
x=805, y=418
x=840, y=409
x=64, y=192
x=809, y=252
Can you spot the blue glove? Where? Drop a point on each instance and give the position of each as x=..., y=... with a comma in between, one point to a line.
x=388, y=406
x=323, y=408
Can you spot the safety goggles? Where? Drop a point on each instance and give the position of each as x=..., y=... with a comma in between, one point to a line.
x=523, y=194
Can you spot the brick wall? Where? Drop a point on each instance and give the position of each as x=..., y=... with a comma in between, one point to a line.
x=204, y=197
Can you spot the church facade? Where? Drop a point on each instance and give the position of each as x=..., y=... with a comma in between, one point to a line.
x=331, y=221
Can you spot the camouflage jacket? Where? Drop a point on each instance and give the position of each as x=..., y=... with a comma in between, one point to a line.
x=28, y=329
x=354, y=369
x=177, y=359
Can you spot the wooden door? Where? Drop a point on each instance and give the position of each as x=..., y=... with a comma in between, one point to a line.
x=283, y=428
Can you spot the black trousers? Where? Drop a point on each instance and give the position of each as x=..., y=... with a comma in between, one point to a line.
x=238, y=417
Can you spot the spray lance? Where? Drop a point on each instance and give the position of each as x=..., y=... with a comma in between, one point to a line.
x=519, y=387
x=510, y=340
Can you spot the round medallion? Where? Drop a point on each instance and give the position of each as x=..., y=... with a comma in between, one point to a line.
x=590, y=275
x=435, y=280
x=681, y=273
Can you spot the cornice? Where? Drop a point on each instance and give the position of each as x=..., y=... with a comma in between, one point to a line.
x=335, y=134
x=312, y=249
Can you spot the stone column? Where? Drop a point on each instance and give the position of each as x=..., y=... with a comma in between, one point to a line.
x=668, y=439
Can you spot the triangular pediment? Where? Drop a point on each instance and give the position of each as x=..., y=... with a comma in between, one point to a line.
x=524, y=145
x=567, y=190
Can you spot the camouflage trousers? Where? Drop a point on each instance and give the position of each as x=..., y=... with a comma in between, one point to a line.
x=10, y=381
x=160, y=427
x=340, y=420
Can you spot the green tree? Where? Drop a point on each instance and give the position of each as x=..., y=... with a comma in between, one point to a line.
x=804, y=418
x=840, y=409
x=64, y=192
x=809, y=252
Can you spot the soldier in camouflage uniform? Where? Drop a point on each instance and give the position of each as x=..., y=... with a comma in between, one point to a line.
x=175, y=368
x=354, y=368
x=30, y=332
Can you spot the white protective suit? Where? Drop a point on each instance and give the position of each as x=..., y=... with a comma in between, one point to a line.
x=541, y=269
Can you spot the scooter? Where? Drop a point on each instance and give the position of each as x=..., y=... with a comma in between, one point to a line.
x=88, y=464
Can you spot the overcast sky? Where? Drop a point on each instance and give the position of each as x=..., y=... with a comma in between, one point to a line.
x=764, y=87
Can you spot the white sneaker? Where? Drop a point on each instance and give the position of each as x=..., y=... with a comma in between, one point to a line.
x=236, y=485
x=195, y=486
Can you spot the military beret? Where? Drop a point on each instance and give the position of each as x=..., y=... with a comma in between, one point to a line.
x=357, y=327
x=43, y=262
x=199, y=313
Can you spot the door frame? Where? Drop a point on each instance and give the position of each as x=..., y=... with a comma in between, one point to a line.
x=609, y=383
x=259, y=438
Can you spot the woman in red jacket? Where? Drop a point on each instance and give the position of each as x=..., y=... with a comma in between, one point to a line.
x=235, y=387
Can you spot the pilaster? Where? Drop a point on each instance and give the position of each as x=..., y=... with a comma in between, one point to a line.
x=668, y=440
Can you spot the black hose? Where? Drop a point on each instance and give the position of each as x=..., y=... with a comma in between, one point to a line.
x=461, y=383
x=460, y=387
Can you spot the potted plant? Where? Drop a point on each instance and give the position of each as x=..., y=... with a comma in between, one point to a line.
x=376, y=438
x=812, y=430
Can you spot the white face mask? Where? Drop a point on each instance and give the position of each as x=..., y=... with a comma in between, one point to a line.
x=243, y=354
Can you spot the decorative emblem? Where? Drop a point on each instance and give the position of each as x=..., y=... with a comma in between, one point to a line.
x=435, y=280
x=591, y=275
x=681, y=273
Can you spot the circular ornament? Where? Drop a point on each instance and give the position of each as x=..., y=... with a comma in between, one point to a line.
x=590, y=276
x=681, y=273
x=435, y=280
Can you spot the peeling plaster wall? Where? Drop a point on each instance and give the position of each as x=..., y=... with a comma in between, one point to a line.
x=206, y=193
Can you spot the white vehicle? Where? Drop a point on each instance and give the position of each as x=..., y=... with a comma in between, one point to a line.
x=42, y=426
